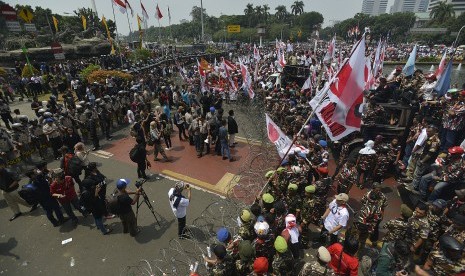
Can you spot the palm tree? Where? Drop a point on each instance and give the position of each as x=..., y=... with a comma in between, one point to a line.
x=297, y=7
x=442, y=12
x=259, y=12
x=281, y=12
x=266, y=11
x=249, y=10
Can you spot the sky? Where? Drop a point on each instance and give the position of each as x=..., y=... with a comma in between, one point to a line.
x=180, y=9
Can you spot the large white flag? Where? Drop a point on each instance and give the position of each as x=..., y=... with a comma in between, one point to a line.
x=281, y=140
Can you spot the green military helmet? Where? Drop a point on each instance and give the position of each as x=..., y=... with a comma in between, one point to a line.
x=310, y=189
x=268, y=198
x=280, y=244
x=292, y=187
x=280, y=170
x=268, y=174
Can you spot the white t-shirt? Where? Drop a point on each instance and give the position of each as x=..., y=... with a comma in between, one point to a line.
x=338, y=215
x=130, y=116
x=181, y=211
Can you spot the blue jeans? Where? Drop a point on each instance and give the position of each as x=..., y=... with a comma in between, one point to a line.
x=425, y=182
x=99, y=224
x=50, y=206
x=225, y=147
x=438, y=189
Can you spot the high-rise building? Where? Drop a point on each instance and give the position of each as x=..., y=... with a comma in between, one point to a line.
x=459, y=5
x=409, y=6
x=374, y=7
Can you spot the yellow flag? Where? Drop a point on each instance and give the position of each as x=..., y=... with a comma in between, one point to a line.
x=104, y=22
x=84, y=22
x=55, y=23
x=112, y=50
x=139, y=22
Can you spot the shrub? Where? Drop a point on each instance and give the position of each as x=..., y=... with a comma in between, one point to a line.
x=140, y=54
x=101, y=75
x=87, y=71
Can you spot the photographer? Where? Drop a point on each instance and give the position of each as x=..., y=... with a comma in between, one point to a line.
x=126, y=214
x=179, y=205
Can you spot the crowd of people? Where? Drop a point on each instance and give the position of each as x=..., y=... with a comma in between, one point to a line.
x=299, y=195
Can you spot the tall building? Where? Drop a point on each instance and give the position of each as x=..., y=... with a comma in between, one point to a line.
x=409, y=6
x=374, y=7
x=459, y=5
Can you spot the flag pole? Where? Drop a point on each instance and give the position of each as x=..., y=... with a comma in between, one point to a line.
x=169, y=21
x=130, y=30
x=117, y=36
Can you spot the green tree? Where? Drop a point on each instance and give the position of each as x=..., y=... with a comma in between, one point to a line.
x=266, y=12
x=442, y=12
x=297, y=8
x=249, y=13
x=258, y=13
x=196, y=14
x=281, y=12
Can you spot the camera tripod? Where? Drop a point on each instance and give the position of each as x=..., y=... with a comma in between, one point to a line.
x=147, y=202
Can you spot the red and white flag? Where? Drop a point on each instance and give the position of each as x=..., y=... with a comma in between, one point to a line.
x=229, y=65
x=129, y=6
x=226, y=69
x=281, y=140
x=338, y=104
x=144, y=12
x=441, y=66
x=247, y=80
x=202, y=75
x=307, y=84
x=159, y=15
x=256, y=53
x=121, y=5
x=330, y=53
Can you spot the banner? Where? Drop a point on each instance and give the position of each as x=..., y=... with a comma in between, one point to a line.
x=442, y=65
x=281, y=140
x=84, y=22
x=234, y=28
x=55, y=23
x=120, y=4
x=443, y=83
x=159, y=15
x=337, y=105
x=330, y=53
x=129, y=6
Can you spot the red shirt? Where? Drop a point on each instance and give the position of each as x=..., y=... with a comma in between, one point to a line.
x=349, y=263
x=66, y=188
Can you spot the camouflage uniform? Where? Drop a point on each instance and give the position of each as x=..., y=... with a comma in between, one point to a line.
x=370, y=215
x=245, y=231
x=321, y=194
x=441, y=266
x=371, y=113
x=396, y=230
x=223, y=268
x=308, y=206
x=346, y=177
x=283, y=264
x=417, y=228
x=294, y=203
x=314, y=268
x=232, y=248
x=459, y=235
x=264, y=247
x=366, y=164
x=244, y=268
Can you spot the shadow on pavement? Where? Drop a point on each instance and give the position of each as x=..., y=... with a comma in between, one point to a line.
x=6, y=247
x=153, y=231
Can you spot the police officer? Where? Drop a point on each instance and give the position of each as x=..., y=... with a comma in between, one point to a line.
x=91, y=126
x=105, y=120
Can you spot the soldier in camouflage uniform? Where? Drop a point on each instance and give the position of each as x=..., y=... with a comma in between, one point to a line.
x=418, y=229
x=293, y=200
x=369, y=118
x=397, y=228
x=308, y=205
x=246, y=226
x=371, y=214
x=321, y=195
x=319, y=267
x=435, y=212
x=283, y=261
x=263, y=243
x=448, y=260
x=222, y=265
x=244, y=265
x=457, y=229
x=346, y=177
x=382, y=163
x=365, y=164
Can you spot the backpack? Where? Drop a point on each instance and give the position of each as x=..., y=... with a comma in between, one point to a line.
x=134, y=154
x=85, y=199
x=113, y=205
x=29, y=193
x=74, y=165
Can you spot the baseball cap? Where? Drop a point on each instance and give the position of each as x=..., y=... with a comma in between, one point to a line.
x=260, y=265
x=122, y=183
x=440, y=203
x=343, y=197
x=222, y=234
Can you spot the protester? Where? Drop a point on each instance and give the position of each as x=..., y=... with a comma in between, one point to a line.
x=179, y=205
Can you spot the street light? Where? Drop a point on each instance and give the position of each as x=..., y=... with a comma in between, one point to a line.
x=457, y=38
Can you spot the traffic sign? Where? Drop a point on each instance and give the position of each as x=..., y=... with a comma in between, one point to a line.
x=30, y=27
x=8, y=12
x=26, y=15
x=234, y=28
x=57, y=50
x=13, y=26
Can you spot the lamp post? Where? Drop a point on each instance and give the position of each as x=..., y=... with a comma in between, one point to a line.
x=457, y=38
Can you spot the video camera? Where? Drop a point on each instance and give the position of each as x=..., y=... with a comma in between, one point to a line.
x=140, y=182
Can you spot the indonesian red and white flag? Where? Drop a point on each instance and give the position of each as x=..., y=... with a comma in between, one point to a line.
x=144, y=12
x=281, y=140
x=129, y=6
x=121, y=5
x=441, y=66
x=307, y=84
x=202, y=76
x=159, y=15
x=338, y=104
x=256, y=53
x=247, y=80
x=330, y=53
x=228, y=75
x=229, y=65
